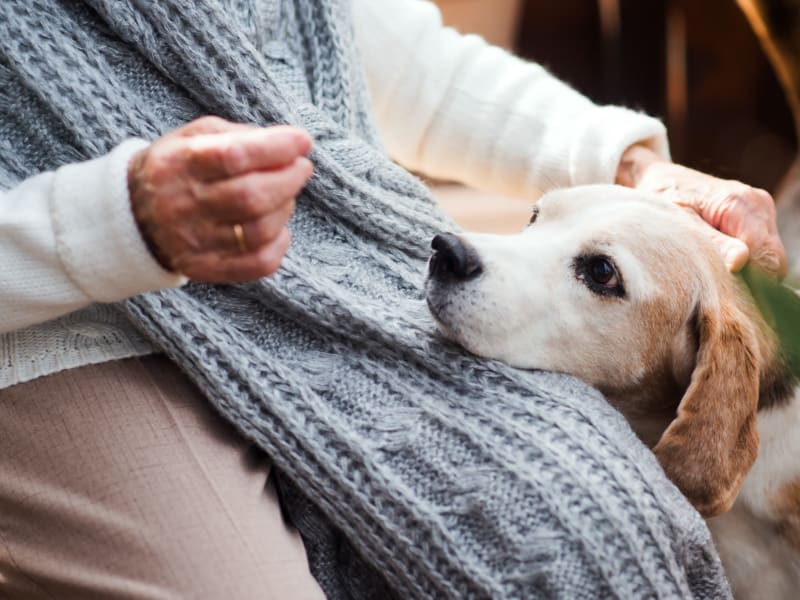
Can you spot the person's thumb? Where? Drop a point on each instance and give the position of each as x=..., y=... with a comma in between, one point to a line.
x=734, y=251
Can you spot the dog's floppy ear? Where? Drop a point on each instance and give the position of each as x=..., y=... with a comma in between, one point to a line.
x=712, y=443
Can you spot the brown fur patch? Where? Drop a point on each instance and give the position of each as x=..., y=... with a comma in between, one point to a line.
x=711, y=445
x=651, y=403
x=777, y=385
x=787, y=506
x=707, y=373
x=697, y=403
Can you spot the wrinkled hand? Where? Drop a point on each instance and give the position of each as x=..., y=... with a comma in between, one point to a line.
x=191, y=188
x=742, y=217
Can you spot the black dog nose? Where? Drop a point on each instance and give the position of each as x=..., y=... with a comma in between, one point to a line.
x=453, y=257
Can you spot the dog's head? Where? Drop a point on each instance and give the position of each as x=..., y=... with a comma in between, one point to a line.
x=627, y=293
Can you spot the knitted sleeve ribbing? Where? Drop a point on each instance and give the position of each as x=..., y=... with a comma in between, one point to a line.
x=68, y=240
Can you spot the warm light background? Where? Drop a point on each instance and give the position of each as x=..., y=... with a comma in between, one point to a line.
x=695, y=64
x=497, y=21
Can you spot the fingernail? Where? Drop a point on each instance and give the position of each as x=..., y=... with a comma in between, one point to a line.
x=304, y=141
x=735, y=258
x=305, y=163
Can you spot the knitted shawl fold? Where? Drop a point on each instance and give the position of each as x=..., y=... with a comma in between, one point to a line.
x=410, y=468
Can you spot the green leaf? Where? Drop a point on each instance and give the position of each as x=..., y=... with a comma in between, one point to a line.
x=780, y=306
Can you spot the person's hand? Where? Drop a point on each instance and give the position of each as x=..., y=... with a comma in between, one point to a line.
x=742, y=217
x=212, y=198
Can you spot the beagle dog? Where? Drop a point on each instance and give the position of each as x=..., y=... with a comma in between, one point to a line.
x=626, y=292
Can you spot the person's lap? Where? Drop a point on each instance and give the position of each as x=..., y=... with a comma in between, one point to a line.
x=119, y=481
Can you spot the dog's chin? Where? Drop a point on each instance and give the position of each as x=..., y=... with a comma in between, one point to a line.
x=442, y=321
x=450, y=327
x=455, y=321
x=459, y=329
x=441, y=308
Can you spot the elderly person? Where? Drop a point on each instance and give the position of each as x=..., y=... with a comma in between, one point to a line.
x=148, y=407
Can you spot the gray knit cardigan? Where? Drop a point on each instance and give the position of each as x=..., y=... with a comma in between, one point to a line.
x=411, y=469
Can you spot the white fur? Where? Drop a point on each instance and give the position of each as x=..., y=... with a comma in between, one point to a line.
x=528, y=309
x=759, y=563
x=778, y=454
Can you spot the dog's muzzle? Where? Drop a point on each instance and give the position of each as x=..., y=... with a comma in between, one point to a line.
x=453, y=259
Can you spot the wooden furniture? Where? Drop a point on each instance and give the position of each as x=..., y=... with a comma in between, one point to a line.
x=697, y=65
x=777, y=25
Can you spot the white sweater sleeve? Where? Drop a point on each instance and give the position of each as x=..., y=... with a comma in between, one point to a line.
x=451, y=106
x=68, y=239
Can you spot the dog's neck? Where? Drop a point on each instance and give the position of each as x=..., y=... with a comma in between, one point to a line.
x=649, y=406
x=778, y=387
x=652, y=406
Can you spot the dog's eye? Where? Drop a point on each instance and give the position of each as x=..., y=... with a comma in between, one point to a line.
x=602, y=272
x=534, y=214
x=600, y=275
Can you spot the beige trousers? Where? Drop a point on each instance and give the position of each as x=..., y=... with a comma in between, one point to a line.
x=119, y=481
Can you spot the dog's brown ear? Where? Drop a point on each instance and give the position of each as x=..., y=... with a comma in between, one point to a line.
x=712, y=443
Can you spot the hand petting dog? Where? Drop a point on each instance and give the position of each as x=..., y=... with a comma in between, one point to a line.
x=625, y=290
x=742, y=218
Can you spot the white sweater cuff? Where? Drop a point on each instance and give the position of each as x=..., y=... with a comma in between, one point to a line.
x=97, y=239
x=601, y=137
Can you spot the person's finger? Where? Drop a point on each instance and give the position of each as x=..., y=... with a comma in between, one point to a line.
x=263, y=231
x=744, y=214
x=749, y=215
x=249, y=197
x=208, y=125
x=734, y=252
x=223, y=155
x=213, y=267
x=255, y=233
x=770, y=256
x=751, y=241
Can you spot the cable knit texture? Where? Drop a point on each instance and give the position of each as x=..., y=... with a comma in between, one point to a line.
x=411, y=469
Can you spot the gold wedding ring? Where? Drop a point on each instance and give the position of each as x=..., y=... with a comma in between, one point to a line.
x=238, y=232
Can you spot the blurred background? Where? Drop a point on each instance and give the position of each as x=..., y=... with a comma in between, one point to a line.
x=697, y=65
